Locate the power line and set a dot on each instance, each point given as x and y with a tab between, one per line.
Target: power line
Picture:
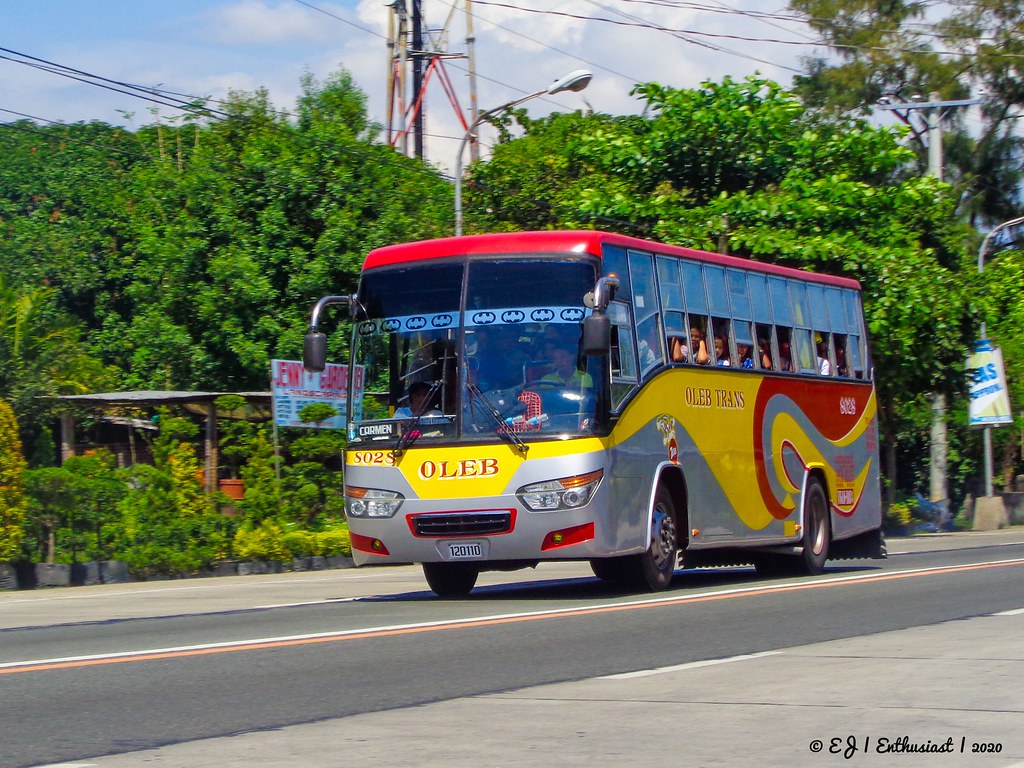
692	41
722	35
570	54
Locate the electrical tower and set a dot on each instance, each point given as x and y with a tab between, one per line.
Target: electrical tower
415	59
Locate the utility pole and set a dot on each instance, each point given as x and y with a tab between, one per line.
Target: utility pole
417	73
409	40
474	111
937	475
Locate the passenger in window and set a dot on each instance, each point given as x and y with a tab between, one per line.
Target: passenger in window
821	345
785	356
678	352
648	345
721	351
765	350
841	367
746	355
699	346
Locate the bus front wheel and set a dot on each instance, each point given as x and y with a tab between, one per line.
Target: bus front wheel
450	579
656	566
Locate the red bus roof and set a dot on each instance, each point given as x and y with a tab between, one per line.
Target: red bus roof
567	242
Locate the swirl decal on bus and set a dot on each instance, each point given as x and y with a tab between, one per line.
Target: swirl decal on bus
791	436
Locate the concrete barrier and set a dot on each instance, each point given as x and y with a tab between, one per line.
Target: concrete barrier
989	513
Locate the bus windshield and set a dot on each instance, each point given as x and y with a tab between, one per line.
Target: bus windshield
474	348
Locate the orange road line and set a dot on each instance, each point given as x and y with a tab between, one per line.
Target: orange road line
495	621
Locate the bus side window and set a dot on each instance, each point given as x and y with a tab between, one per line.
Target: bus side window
842	367
785	348
675	337
763	355
724	353
700	351
744	344
803	348
823	353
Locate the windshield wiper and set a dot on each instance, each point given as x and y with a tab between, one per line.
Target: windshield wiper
408	437
503	427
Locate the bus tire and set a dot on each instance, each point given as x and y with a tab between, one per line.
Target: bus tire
450	579
817	530
654	568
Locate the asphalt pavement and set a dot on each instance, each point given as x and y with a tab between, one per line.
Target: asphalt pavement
948	694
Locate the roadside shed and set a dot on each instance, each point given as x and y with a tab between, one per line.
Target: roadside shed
112	405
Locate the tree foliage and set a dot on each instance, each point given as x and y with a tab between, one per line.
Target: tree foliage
188	253
12	494
907	50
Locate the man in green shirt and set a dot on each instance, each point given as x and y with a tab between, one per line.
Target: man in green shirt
565	373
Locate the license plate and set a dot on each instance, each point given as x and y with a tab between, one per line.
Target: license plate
464	550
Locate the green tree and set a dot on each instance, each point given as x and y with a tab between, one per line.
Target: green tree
41	355
166	523
907	49
12	496
99	492
314	485
53	496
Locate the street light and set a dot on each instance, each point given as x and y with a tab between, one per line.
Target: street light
983	253
575	81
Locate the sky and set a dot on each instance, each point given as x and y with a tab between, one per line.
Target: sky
210	47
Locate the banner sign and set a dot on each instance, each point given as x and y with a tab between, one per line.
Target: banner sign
293	388
986	382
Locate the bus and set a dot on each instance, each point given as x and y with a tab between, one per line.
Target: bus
583	395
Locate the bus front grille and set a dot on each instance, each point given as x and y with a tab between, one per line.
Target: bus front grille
462	524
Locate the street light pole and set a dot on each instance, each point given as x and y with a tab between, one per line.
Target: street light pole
575	81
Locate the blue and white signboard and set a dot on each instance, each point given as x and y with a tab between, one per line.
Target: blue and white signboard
986	382
293	388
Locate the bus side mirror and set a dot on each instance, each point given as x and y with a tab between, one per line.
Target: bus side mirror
314	351
597	334
314	345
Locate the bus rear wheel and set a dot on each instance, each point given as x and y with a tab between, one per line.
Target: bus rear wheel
817	529
450	579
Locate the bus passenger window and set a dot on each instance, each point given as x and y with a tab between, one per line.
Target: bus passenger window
823	358
699	353
744	344
675	338
724	354
764	346
842	368
785	349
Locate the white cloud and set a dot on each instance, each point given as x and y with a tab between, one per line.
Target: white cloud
252	22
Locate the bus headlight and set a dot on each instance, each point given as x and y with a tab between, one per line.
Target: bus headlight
371	502
564	493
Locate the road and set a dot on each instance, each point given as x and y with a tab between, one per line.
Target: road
545	667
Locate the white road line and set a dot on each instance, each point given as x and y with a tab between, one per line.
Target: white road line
679	599
321	601
1014	612
190	588
690	665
